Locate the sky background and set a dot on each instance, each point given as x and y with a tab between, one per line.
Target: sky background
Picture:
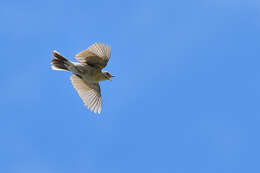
186	97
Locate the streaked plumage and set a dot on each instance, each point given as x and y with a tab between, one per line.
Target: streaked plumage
87	73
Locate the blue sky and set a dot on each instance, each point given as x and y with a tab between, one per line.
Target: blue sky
185	99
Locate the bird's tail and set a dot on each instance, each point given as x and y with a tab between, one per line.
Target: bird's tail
59	62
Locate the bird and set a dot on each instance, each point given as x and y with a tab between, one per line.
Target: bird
87	73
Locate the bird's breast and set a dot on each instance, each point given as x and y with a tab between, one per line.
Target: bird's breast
92	74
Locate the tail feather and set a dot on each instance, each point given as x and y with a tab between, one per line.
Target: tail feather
59	62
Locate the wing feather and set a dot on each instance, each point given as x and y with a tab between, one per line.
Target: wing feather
97	55
90	93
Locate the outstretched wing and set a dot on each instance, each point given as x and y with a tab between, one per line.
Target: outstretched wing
90	93
97	55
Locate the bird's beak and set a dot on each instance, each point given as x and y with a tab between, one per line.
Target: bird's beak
111	77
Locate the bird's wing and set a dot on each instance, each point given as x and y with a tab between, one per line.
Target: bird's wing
90	93
97	55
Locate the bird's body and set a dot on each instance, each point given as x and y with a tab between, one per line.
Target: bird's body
87	73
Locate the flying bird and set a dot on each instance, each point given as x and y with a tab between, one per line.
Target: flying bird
87	73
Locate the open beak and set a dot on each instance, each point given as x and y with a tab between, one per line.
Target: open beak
111	77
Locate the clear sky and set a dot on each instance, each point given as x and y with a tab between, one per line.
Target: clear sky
185	100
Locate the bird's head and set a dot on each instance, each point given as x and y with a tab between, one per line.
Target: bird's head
107	75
